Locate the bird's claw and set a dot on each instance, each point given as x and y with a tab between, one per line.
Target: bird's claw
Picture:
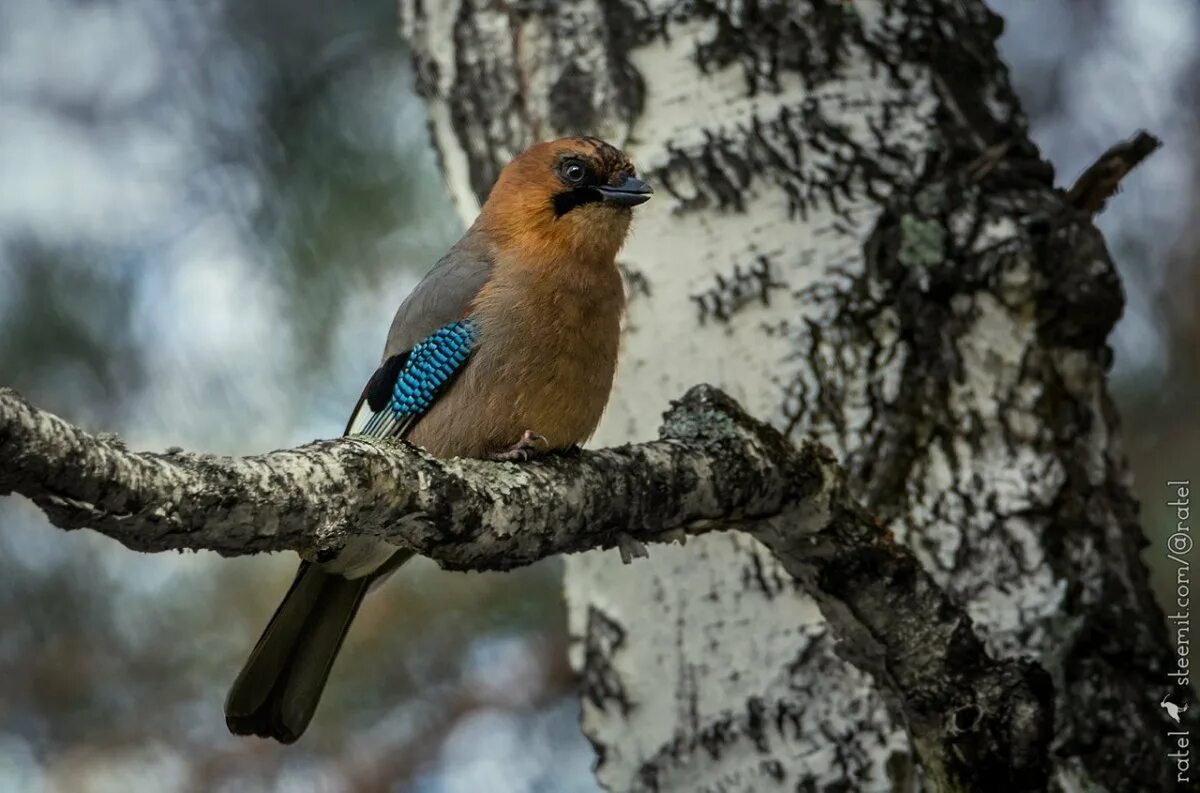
531	445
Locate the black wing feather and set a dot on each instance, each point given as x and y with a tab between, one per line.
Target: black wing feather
379	387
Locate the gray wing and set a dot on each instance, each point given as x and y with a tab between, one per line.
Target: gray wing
444	294
441	298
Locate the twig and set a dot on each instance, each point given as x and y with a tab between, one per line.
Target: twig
1102	179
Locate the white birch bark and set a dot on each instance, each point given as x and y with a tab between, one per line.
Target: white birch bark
854	237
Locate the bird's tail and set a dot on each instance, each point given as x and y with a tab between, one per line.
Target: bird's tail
277	690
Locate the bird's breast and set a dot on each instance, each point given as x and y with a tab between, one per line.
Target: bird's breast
545	360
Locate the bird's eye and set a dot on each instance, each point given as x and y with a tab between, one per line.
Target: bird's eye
574	172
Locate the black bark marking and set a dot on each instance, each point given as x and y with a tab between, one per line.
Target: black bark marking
627	25
769	38
742	287
601	685
572	110
636	282
1081	297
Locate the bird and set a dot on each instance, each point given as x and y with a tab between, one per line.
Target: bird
505	350
1173	710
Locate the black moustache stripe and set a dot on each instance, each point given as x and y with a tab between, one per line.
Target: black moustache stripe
566	201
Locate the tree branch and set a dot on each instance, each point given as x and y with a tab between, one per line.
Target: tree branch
1102	178
978	724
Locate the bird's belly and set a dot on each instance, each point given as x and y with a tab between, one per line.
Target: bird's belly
560	397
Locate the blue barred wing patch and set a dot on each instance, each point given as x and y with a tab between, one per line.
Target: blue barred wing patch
431	364
429	367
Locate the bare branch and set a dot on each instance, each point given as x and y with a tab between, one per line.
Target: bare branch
713	466
1102	178
979	724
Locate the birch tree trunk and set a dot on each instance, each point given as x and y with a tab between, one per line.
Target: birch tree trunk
855	238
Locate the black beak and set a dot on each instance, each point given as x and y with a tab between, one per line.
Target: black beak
629	193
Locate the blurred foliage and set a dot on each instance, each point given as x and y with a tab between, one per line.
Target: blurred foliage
75	331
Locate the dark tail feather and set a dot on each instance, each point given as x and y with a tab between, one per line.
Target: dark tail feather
278	689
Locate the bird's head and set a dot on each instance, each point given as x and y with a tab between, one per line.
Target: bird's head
571	197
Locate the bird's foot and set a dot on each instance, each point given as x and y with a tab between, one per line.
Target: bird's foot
531	445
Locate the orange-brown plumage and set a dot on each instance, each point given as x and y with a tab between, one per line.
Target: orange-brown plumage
546	359
534	287
550	313
519	212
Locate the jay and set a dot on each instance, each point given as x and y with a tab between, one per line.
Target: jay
505	350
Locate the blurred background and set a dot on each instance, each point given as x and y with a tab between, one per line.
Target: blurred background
208	213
